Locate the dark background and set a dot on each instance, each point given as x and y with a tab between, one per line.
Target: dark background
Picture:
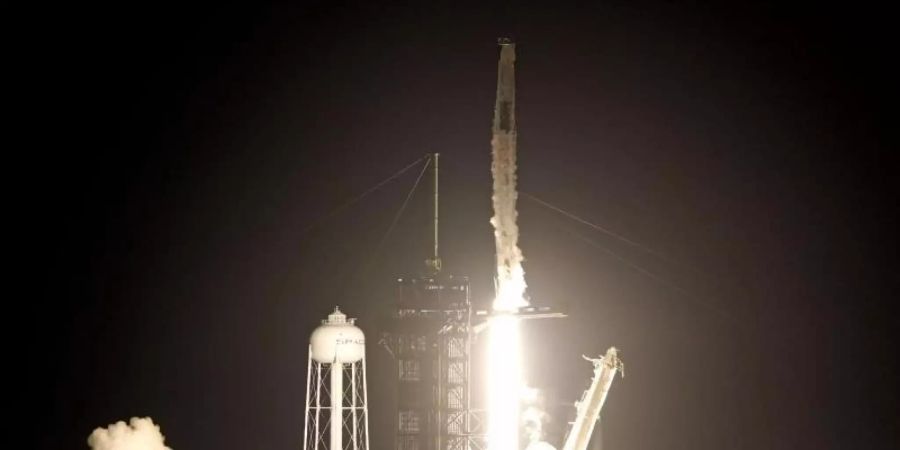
189	158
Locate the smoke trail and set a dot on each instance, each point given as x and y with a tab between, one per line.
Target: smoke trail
510	275
138	434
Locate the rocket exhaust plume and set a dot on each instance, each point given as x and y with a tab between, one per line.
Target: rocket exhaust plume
504	352
138	434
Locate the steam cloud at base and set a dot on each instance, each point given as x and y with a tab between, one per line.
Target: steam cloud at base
534	417
137	434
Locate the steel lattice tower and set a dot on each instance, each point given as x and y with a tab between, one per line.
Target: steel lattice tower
432	342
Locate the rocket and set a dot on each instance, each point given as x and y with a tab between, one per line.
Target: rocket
505	107
511	281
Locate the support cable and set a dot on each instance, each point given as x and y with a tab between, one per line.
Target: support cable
359	197
627	263
608	232
685	293
403	206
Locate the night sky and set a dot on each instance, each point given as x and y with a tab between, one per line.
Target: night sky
183	188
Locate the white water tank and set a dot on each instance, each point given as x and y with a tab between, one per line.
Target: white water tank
338	340
336	415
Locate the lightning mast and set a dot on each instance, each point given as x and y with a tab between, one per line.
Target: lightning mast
435	263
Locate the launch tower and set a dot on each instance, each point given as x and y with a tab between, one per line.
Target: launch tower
431	342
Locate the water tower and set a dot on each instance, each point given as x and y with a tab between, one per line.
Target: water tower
336	399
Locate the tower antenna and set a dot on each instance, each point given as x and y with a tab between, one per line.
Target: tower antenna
435	262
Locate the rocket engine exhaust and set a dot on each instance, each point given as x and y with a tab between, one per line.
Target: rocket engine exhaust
505	379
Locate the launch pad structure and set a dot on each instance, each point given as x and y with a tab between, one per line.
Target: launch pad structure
430	338
434	323
432	343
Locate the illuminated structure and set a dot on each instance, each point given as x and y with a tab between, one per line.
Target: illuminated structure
336	397
588	408
431	340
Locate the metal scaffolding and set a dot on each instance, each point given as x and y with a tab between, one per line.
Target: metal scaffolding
432	342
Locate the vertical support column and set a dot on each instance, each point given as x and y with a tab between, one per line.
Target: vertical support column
365	402
468	406
308	400
441	392
337	406
318	404
436	257
354	406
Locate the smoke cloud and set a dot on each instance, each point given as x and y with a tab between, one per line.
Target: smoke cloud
137	434
540	446
534	417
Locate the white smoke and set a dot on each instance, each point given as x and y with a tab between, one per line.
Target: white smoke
510	275
138	434
533	419
541	445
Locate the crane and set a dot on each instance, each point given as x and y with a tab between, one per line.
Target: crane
588	408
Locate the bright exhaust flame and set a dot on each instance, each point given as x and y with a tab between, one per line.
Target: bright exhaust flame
504	383
505	378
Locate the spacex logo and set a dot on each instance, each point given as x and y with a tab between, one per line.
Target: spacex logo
350	341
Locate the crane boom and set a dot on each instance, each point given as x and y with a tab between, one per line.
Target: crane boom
588	408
